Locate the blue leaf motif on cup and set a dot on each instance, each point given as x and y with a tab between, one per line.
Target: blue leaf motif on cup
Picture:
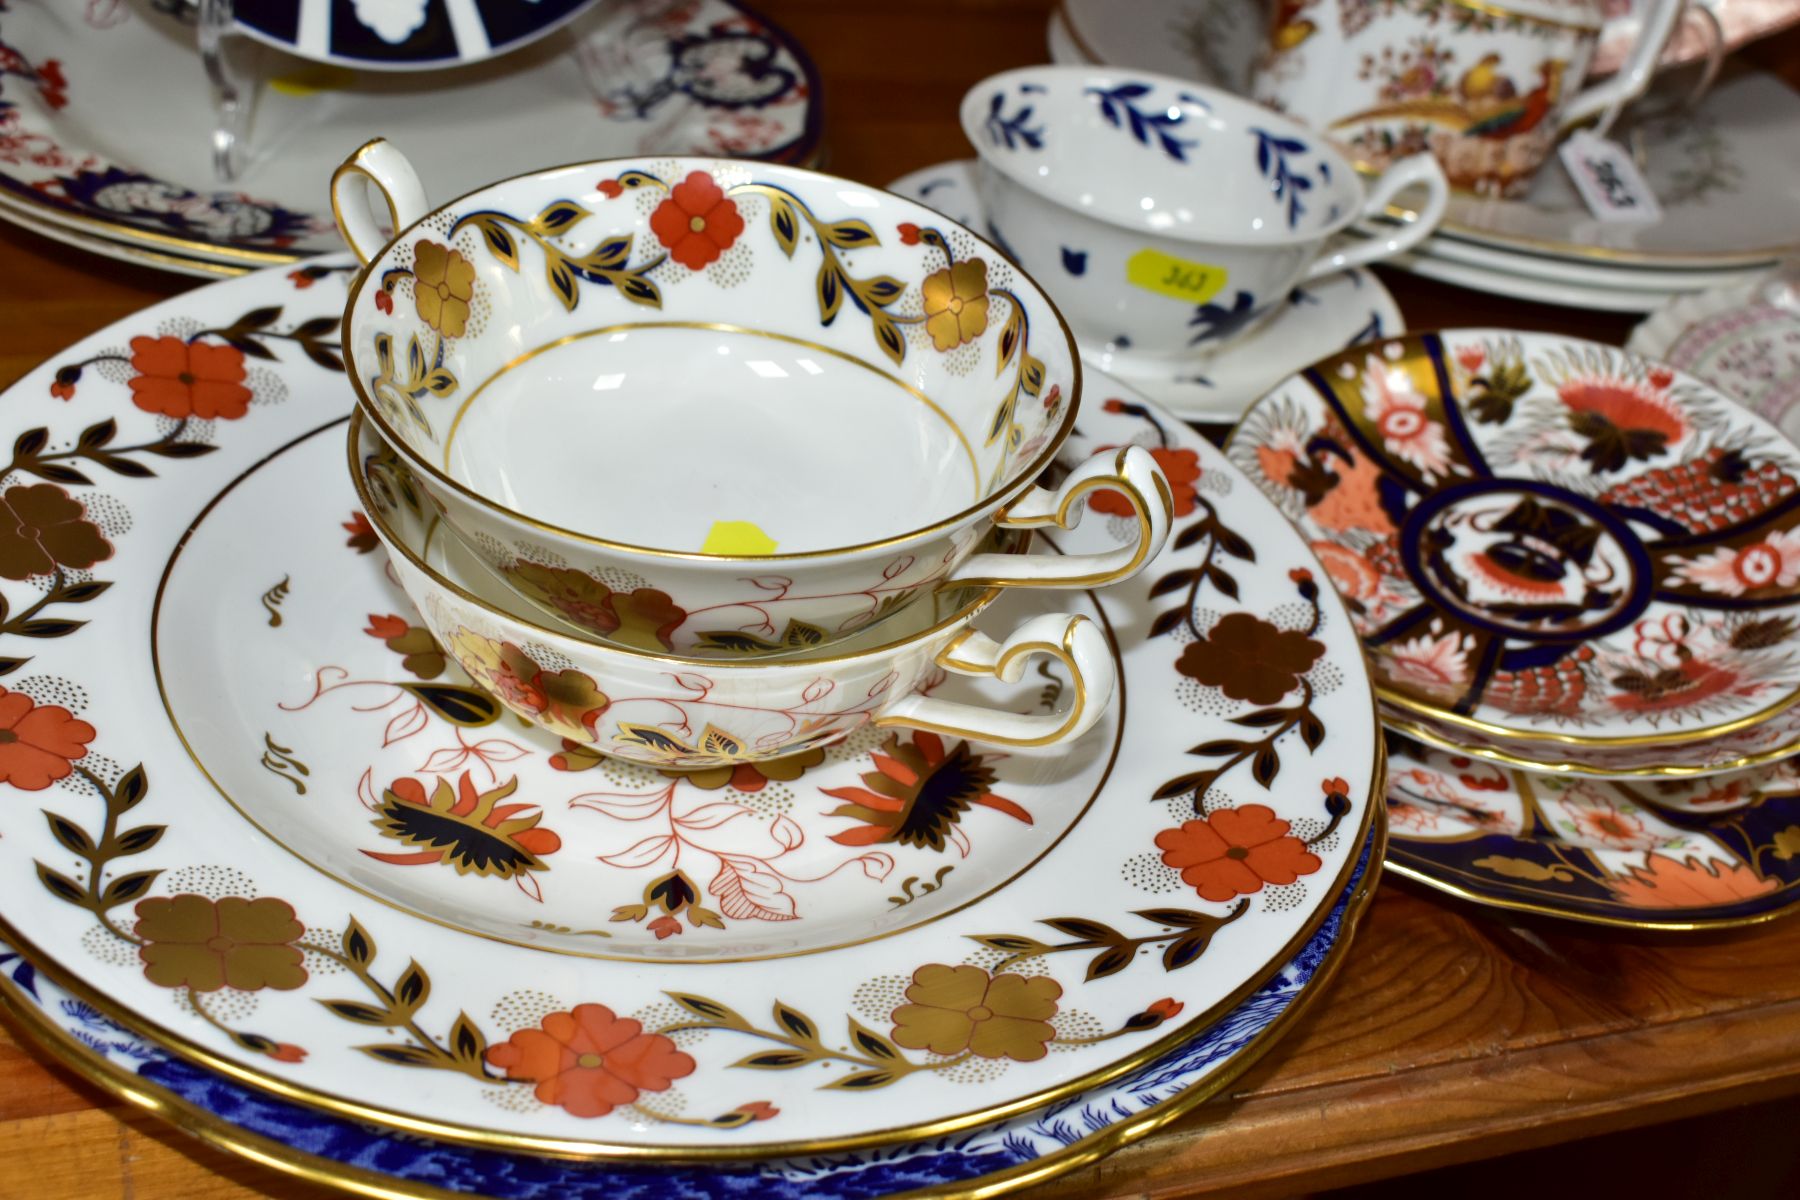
1012	131
1119	105
1287	186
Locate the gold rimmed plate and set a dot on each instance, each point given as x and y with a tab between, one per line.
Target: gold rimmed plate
1569	554
340	875
989	1161
1605	852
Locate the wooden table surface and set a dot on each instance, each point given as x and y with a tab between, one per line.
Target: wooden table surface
1451	1033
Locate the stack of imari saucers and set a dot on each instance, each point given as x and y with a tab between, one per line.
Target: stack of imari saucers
1575	574
284	872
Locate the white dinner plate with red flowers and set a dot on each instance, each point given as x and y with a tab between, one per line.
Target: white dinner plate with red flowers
261	820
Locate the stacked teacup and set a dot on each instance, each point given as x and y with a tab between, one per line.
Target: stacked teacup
700	462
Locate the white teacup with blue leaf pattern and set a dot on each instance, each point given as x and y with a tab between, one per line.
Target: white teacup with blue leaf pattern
1170	219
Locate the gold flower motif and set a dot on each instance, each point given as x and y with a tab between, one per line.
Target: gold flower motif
964	1008
443	285
194	942
956	303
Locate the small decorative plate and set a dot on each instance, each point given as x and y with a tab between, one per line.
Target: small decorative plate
1548	542
79	147
1322	317
398	35
998	1158
1592	851
1744	340
869	944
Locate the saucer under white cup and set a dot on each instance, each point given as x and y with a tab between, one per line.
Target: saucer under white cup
1317	319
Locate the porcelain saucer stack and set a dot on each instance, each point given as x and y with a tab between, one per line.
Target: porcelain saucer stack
1575	574
507	886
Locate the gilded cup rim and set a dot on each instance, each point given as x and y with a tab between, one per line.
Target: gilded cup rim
1017	481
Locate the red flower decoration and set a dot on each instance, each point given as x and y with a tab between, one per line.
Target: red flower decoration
590	1061
612	189
362	537
1182	467
664	926
300	279
287	1052
1300	575
1661	377
1471	358
1114	406
909	233
188	379
1235	851
384	300
1165	1008
39	743
758	1110
698	222
62	391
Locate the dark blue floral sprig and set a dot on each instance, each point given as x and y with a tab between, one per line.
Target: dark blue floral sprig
1119	106
1012	131
1272	153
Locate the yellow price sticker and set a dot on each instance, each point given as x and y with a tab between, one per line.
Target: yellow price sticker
1177	278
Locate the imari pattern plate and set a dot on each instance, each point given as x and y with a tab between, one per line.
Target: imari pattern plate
280	837
1551	543
1694	854
80	148
993	1159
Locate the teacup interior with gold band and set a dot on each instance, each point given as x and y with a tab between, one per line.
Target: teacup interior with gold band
600	426
710	356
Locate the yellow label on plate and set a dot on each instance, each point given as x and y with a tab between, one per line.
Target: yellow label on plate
1167	275
737	537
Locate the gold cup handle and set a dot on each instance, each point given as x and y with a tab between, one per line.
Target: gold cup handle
376	169
1132	473
1075	641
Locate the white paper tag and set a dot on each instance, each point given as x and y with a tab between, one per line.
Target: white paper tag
1610	183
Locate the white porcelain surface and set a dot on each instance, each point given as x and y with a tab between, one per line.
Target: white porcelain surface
475	1007
1530	287
1173	219
704	78
633	352
1319	318
1596	273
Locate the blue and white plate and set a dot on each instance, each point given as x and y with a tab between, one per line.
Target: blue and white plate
998	1157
